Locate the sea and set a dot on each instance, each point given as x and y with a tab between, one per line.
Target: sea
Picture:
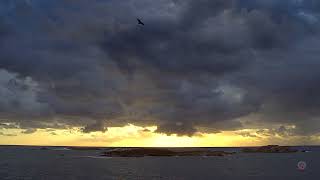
62	163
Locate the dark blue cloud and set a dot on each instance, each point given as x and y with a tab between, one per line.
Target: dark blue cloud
195	64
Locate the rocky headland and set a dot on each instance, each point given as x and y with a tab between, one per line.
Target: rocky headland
163	152
269	149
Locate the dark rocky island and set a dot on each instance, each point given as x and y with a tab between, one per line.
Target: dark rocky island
83	148
142	152
44	148
269	149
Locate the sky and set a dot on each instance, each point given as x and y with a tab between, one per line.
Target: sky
198	73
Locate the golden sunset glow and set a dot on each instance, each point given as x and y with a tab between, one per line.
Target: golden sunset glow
133	136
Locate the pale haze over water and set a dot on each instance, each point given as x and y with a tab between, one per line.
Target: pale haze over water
31	163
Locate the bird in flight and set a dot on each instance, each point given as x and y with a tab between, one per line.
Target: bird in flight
140	22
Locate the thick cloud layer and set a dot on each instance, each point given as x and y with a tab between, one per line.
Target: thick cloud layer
205	64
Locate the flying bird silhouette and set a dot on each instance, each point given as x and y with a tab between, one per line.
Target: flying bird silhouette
140	22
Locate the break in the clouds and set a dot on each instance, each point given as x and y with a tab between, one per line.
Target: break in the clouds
196	65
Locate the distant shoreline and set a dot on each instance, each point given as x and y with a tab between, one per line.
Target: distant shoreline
174	151
146	146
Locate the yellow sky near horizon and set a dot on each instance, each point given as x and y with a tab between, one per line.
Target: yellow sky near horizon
135	136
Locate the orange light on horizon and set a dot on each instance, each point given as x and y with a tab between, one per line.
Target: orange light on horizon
133	136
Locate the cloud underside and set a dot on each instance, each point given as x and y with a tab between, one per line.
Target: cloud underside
209	65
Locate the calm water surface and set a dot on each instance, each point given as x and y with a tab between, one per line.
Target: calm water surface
33	164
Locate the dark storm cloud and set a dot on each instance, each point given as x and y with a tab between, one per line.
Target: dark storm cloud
8	126
29	131
3	28
97	126
177	128
194	65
